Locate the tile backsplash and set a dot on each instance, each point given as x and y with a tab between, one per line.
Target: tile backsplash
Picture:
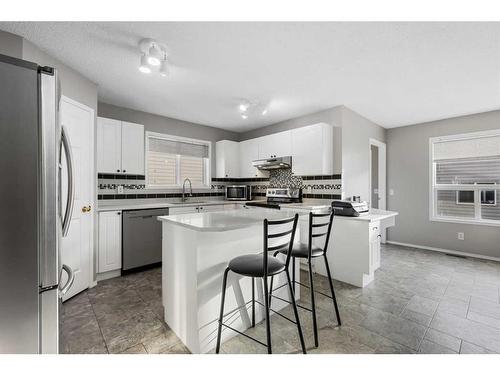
134	186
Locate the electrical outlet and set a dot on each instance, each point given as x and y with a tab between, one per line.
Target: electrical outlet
391	191
120	189
460	236
309	189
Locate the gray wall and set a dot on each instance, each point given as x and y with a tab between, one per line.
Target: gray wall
356	133
352	148
11	45
168	125
408	175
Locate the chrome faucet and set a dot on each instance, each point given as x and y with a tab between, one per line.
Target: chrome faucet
184	189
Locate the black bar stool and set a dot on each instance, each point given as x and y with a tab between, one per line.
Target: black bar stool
309	251
262	266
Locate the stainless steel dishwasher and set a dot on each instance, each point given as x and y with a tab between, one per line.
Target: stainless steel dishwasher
141	238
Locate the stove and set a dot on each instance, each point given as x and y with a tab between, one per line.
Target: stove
278	196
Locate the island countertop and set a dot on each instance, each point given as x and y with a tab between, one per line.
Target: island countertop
220	221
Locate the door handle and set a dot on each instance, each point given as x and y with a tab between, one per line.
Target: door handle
69	283
71	188
86	208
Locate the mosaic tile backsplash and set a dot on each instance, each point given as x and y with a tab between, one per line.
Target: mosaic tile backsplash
134	186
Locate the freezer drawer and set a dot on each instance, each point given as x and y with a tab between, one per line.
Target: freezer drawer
141	238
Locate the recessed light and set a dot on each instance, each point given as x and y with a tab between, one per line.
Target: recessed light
144	68
243	116
264	112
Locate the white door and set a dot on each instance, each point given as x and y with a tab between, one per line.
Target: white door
77	246
132	149
109	145
377	194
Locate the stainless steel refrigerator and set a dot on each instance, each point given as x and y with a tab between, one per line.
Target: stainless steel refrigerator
34	150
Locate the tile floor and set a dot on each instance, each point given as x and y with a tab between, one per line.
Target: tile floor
420	302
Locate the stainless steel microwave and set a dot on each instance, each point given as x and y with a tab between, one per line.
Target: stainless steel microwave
238	192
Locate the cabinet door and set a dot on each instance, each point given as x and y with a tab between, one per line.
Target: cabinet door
132	148
110	241
275	145
109	135
249	151
227	156
374	229
306	150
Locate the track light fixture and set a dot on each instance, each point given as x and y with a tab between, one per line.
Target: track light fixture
153	54
248	108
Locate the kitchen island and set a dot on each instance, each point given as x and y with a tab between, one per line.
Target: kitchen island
196	249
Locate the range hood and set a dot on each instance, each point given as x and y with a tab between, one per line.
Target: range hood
282	162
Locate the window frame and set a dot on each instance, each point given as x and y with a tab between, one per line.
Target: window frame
207	178
477	187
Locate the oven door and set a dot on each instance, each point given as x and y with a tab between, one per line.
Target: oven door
236	192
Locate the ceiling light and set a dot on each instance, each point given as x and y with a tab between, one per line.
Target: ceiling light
164	68
144	68
264	112
243	116
154	57
243	107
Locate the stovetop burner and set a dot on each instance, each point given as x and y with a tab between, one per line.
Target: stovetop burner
278	196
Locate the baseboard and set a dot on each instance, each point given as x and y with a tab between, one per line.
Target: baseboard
454	252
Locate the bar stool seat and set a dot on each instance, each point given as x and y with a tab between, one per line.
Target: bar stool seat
252	265
301	250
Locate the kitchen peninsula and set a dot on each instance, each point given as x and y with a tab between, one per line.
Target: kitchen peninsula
196	249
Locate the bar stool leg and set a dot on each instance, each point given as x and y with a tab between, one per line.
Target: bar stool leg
293	274
333	292
297	319
221	316
268	322
313	304
253	301
271	291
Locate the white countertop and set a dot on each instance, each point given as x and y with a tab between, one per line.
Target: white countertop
139	204
220	221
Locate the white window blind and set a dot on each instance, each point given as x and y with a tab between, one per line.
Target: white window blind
465	178
171	160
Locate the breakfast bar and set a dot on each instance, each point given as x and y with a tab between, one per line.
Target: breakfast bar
196	249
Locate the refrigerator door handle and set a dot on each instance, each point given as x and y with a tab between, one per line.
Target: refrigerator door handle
71	187
71	278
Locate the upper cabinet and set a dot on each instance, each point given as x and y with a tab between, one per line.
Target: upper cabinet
312	150
275	145
249	151
132	148
120	147
227	155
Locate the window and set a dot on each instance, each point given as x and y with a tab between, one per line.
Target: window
465	178
170	160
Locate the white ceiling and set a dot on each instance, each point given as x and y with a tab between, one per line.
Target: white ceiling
392	73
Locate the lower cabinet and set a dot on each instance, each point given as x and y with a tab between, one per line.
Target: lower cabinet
374	245
110	241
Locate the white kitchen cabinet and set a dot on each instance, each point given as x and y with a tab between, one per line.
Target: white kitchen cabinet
109	145
120	147
227	157
249	151
312	150
211	208
275	145
110	241
374	240
132	147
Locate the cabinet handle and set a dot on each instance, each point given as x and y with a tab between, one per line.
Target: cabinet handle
118	213
118	170
374	228
124	171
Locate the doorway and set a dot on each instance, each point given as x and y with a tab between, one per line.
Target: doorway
377	169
